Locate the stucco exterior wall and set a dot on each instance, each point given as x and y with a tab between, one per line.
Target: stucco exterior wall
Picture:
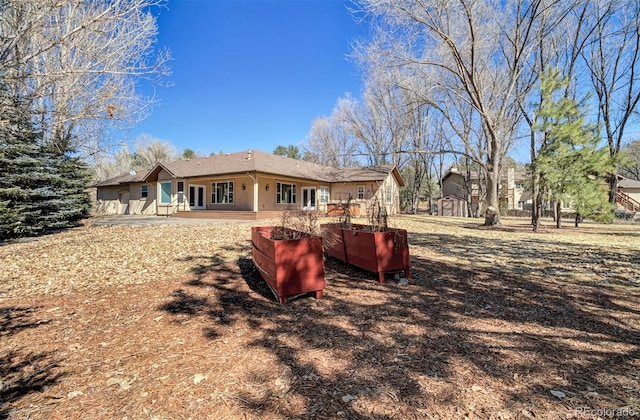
251	192
108	200
125	199
139	204
340	193
267	198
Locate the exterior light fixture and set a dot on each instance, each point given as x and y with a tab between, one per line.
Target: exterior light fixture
267	187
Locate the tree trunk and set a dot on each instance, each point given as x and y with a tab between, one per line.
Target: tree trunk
536	196
613	188
558	215
492	212
536	199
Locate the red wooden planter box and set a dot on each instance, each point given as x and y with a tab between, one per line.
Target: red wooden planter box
380	252
333	241
289	266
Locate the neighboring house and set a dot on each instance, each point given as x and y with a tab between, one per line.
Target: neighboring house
518	197
250	184
628	197
455	195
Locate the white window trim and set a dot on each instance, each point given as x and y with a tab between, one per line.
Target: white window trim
162	202
230	192
361	192
324	195
294	193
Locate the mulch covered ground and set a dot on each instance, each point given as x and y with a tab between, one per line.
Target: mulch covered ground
491	326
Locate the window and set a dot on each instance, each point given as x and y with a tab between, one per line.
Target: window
222	192
180	192
165	192
285	193
361	192
389	194
144	191
324	195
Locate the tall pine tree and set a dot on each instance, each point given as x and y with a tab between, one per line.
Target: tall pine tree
570	161
41	190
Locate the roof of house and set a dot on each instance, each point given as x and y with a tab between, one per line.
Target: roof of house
518	174
257	161
365	174
250	161
126	178
627	182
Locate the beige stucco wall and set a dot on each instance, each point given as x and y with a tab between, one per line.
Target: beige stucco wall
109	198
267	198
139	204
242	198
125	199
340	193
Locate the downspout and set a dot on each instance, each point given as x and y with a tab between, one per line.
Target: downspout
255	191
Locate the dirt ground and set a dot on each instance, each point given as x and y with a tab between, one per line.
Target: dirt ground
174	322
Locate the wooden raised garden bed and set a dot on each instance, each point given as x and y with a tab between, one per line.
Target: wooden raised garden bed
380	252
289	266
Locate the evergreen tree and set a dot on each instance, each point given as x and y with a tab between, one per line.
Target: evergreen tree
69	178
41	189
18	159
290	151
189	154
571	162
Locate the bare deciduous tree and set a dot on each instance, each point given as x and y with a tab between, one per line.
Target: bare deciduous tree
148	151
475	51
631	163
378	120
330	141
78	62
613	60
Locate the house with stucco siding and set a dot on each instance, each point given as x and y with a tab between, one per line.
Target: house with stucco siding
247	185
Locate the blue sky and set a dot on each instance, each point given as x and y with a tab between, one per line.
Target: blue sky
251	74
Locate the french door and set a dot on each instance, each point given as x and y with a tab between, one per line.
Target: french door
308	198
196	197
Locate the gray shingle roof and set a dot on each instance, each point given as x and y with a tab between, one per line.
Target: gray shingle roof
627	182
259	161
246	162
126	178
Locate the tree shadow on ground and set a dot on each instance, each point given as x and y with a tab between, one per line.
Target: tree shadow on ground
22	371
536	257
460	340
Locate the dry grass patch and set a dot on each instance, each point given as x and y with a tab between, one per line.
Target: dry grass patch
174	322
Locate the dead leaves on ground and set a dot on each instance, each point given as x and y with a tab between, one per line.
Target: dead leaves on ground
167	322
93	257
